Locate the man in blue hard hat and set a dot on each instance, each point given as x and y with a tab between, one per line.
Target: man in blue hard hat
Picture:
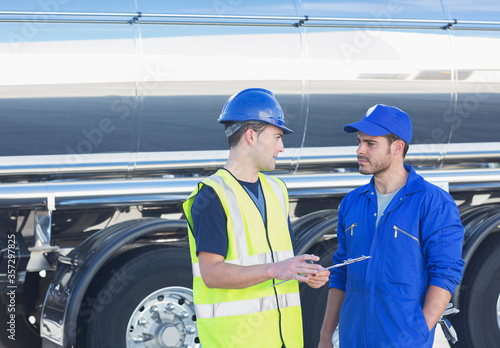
412	230
241	239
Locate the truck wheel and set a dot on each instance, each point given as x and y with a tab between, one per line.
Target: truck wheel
478	323
146	301
313	301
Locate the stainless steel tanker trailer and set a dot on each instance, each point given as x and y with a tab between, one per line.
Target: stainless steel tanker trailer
108	120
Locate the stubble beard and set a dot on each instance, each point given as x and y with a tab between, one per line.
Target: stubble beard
377	168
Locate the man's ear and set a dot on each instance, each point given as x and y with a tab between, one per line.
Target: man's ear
399	146
250	136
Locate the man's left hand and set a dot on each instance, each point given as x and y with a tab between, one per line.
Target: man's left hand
319	279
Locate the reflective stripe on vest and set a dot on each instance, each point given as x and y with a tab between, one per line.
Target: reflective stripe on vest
281	198
243	307
234	208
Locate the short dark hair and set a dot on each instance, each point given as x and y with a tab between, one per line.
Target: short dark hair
392	138
234	139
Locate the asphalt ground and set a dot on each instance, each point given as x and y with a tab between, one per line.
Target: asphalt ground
439	340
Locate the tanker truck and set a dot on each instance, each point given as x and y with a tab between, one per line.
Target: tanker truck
109	110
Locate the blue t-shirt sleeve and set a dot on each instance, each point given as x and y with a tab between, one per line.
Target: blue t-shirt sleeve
209	223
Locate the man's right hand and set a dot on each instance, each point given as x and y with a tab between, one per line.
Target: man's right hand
295	268
331	320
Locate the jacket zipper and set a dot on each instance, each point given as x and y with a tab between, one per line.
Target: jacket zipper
352	227
397	229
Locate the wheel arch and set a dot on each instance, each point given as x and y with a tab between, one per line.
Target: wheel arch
311	229
482	243
480	224
316	234
71	281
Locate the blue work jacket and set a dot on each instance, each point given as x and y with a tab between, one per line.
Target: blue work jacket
418	242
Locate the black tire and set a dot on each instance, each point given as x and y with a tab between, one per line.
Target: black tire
478	322
313	301
163	277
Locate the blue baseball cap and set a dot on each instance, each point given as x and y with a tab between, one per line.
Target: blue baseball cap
381	120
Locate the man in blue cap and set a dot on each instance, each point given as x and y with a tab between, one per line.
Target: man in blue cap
412	230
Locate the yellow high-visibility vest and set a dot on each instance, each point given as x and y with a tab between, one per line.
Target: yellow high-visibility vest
260	315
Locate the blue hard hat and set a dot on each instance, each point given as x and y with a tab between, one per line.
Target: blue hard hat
381	120
254	104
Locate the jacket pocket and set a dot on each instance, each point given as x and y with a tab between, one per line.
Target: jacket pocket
350	229
402	233
404	263
357	243
421	323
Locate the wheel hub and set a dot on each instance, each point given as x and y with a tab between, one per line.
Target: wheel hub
164	319
170	336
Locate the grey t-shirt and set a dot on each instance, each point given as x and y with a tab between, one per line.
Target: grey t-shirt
383	201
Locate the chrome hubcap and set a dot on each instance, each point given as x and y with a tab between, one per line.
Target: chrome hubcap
164	319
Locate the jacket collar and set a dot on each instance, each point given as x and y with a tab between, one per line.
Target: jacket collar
414	183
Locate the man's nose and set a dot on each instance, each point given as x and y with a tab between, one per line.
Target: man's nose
281	146
360	149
